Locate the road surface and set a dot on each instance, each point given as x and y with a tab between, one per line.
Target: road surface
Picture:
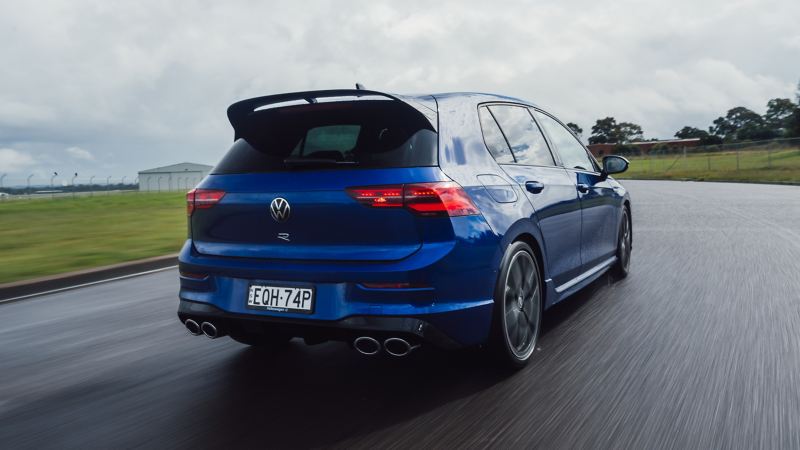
698	348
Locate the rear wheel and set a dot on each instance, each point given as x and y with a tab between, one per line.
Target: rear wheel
624	241
518	306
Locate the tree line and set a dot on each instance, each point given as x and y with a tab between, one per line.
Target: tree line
781	120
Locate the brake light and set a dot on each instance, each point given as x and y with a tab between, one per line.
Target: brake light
438	199
424	199
378	196
202	199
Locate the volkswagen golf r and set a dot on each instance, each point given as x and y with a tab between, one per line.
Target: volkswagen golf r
391	222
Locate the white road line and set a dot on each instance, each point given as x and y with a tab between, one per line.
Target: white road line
53	291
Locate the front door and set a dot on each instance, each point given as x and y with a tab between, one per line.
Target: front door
599	202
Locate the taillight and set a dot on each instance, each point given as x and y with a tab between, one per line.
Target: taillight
202	199
424	199
434	199
378	196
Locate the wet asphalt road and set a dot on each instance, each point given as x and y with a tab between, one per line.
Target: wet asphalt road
698	348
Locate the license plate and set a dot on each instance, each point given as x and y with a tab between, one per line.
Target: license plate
281	298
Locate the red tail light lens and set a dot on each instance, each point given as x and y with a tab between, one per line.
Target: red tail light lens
424	199
438	199
202	199
378	196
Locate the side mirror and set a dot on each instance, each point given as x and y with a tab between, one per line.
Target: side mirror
614	164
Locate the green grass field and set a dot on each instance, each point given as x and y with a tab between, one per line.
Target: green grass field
49	236
772	167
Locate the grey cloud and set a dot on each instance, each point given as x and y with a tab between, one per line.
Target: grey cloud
144	84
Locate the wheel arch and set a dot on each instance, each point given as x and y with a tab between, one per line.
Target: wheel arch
533	243
627	205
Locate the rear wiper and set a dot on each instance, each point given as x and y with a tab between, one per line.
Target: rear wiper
316	162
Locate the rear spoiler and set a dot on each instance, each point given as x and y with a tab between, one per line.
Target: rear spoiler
239	111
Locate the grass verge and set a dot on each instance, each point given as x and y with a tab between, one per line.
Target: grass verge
51	236
752	166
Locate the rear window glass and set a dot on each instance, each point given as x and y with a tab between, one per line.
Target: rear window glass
335	138
359	134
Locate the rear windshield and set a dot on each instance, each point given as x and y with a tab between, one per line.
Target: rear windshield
352	135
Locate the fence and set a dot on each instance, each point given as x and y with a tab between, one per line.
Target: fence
57	186
776	160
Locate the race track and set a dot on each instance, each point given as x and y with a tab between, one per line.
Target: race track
698	348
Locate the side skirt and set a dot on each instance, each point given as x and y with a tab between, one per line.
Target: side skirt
574	285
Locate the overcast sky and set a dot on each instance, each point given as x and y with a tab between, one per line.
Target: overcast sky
110	88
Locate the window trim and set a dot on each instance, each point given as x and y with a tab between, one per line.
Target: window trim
596	171
556	159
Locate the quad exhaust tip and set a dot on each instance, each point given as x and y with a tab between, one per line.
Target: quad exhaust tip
398	347
192	327
209	330
394	346
367	345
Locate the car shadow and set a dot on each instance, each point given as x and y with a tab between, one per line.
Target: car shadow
312	396
562	311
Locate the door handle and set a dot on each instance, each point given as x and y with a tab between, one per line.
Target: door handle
534	187
583	188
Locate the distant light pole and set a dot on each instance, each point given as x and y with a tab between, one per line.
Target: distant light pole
73	183
91	185
1	179
28	182
52	186
108	183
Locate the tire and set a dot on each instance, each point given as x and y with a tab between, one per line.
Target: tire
518	307
624	240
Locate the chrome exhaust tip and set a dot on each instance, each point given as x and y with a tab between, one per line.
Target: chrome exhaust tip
398	347
192	327
367	345
209	330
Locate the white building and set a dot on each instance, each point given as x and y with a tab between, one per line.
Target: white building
177	177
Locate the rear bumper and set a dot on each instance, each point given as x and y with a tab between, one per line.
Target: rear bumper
453	294
413	329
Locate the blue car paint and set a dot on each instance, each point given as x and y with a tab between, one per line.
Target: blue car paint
457	258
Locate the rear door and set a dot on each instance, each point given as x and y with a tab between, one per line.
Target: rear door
600	204
286	178
518	145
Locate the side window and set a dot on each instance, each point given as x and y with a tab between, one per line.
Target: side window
572	153
523	135
494	139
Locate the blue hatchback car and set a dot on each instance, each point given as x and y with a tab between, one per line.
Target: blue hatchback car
391	222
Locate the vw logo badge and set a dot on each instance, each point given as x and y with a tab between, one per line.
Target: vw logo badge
280	209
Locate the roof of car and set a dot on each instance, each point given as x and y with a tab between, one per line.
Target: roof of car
481	97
